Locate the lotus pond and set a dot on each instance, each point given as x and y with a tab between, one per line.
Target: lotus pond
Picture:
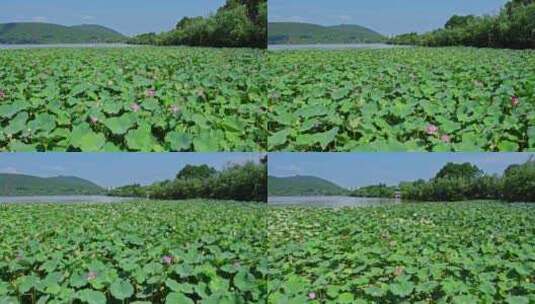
480	252
142	252
402	99
133	99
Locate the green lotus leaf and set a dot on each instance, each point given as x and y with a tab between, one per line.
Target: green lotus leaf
141	139
375	291
4	288
508	146
91	296
327	137
346	298
17	146
279	138
206	142
9	110
120	125
402	288
179	141
178	298
17	124
8	300
43	122
84	138
121	289
244	281
517	300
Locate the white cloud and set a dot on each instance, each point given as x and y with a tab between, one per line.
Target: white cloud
10	170
293	19
88	18
287	170
55	168
344	18
39	19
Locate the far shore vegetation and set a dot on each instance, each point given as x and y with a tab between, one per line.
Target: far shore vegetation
459	182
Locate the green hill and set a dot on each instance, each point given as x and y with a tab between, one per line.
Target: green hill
306	33
18	184
302	185
47	33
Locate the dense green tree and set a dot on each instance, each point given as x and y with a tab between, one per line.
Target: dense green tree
191	172
519	182
513	27
239	23
242	182
513	5
380	190
457	182
453	170
459	21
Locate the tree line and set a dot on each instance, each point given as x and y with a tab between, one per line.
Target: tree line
458	182
379	191
240	182
513	27
239	23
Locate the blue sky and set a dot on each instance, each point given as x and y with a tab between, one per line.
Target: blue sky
115	169
126	16
362	169
386	16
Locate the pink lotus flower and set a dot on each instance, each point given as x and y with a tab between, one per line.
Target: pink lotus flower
312	295
398	271
431	129
91	275
515	101
93	119
445	138
175	109
2	94
167	259
135	107
151	92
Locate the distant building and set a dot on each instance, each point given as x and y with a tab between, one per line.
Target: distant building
397	195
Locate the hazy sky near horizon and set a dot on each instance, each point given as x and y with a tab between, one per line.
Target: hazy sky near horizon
115	169
126	16
385	16
361	169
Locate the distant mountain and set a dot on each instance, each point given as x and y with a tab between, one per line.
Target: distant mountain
307	33
26	185
47	33
302	185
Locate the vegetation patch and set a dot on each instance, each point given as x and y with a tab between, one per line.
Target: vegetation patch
142	252
513	27
47	33
132	99
306	33
303	186
23	185
238	23
239	182
461	182
480	252
404	99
